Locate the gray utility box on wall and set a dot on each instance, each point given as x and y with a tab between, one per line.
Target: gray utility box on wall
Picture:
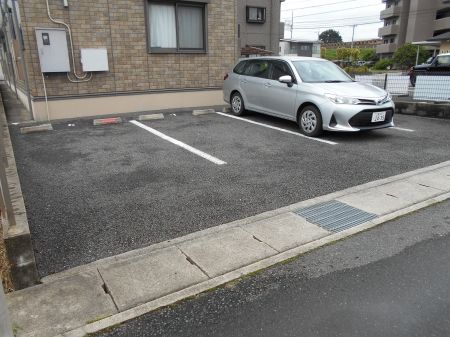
53	50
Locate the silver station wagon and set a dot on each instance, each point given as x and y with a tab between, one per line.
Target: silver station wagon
313	92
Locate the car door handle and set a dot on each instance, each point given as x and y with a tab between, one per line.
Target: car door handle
267	85
243	81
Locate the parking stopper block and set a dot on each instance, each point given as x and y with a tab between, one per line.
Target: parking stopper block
203	112
151	117
107	121
36	128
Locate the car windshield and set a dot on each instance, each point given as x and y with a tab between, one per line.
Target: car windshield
315	71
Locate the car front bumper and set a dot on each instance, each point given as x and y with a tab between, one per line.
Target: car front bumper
343	117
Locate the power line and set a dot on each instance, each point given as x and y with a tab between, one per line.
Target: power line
329	4
408	13
331	25
341	19
335	11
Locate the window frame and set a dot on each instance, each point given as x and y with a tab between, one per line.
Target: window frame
250	61
271	63
203	4
256	21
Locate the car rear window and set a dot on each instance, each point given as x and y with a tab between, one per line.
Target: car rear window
257	68
239	69
443	60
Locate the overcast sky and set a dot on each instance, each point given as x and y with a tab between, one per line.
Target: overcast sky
313	17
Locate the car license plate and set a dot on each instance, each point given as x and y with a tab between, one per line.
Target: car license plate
379	116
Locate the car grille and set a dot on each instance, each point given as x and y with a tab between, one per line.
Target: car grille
364	118
367	102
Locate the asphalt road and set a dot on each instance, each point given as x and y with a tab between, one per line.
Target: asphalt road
93	192
390	281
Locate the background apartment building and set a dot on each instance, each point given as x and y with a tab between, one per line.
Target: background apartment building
259	24
412	21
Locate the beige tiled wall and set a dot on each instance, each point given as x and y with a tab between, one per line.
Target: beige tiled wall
119	25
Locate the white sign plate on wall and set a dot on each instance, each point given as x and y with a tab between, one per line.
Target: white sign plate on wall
432	88
94	59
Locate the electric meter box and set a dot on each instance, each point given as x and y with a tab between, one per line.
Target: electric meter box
53	50
94	59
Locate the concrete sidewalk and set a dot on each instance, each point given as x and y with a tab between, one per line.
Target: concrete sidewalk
107	292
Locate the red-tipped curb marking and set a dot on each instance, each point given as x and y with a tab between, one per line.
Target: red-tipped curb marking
107	121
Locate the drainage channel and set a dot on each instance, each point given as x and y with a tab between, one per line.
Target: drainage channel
335	216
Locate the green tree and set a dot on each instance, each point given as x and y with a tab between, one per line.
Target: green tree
383	64
406	56
369	54
330	36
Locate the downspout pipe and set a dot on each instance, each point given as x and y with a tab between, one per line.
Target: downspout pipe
59	22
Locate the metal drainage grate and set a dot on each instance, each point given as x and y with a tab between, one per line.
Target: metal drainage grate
335	216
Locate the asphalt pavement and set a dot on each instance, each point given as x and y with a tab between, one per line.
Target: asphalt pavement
93	192
389	281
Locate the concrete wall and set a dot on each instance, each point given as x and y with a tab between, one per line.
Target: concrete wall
92	106
256	34
120	27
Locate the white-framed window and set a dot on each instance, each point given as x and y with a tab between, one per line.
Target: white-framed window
256	14
176	27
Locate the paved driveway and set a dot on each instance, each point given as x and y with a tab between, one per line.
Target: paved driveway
93	192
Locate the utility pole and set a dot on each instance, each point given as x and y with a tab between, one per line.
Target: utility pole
292	24
353	35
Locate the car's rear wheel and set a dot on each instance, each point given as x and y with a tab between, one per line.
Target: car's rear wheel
310	121
237	104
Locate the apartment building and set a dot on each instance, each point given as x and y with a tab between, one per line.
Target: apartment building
259	24
74	58
411	21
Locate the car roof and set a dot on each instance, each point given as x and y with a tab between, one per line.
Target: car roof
445	54
285	58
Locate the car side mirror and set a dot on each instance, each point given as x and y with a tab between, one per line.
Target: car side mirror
286	79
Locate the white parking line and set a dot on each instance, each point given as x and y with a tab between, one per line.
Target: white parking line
402	129
180	144
278	129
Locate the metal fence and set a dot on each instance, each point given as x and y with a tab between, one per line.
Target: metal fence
429	87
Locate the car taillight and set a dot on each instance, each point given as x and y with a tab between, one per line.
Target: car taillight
225	77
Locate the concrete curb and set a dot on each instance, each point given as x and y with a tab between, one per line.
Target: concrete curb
423	109
258	217
239	273
17	238
36	128
151	117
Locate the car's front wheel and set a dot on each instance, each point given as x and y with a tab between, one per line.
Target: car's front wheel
310	121
237	104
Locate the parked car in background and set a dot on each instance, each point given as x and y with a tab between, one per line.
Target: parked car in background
313	92
438	66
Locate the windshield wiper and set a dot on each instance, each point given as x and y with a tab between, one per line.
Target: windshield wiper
334	81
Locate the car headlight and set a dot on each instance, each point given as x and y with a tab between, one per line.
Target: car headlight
388	98
342	99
